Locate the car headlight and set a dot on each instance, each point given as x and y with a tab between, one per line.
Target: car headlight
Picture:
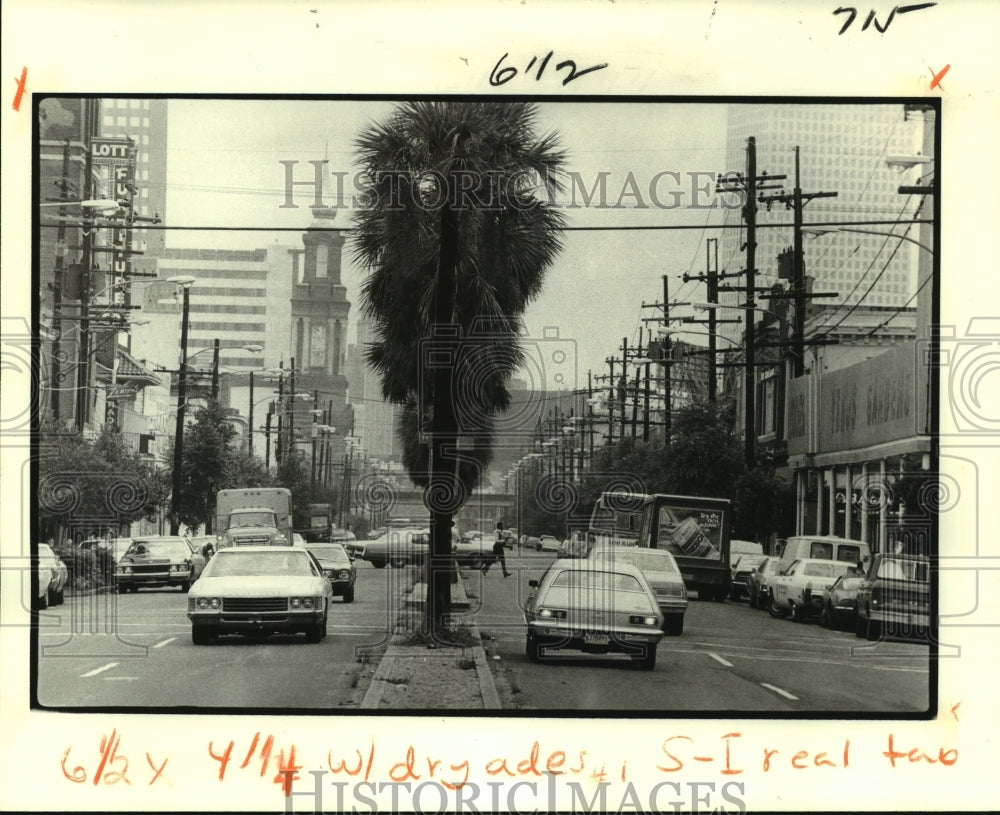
207	603
344	574
306	602
552	613
642	619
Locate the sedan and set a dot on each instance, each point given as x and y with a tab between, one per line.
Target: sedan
664	577
594	606
337	566
840	602
758	579
548	543
798	590
158	561
257	590
56	585
395	547
743	567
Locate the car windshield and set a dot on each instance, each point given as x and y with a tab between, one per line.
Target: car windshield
241	519
903	569
830	569
647	560
851	583
234	563
171	549
330	554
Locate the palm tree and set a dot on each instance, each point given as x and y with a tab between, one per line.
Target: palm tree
457	237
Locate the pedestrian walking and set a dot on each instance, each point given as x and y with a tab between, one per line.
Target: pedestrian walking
498	551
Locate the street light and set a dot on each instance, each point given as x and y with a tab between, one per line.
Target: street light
818	231
185	282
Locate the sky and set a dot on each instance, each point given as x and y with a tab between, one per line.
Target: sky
224	169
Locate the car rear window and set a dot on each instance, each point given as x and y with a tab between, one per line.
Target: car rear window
900	569
824	569
260	564
597	580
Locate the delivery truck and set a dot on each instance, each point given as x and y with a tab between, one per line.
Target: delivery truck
256	516
694	529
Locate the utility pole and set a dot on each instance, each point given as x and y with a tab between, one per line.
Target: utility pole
215	370
667	350
623	385
86	263
645	395
796	202
749	185
59	274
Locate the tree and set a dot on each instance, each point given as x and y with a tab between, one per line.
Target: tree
91	485
205	463
456	243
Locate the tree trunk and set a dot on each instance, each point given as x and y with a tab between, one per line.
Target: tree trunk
444	465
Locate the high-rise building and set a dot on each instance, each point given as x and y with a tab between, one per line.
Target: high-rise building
144	121
375	418
842	148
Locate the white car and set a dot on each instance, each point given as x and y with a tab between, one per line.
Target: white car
663	575
56	585
257	590
798	589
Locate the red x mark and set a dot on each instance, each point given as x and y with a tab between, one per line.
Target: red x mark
20	88
936	81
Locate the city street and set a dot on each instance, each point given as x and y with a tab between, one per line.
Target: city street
145	658
730	658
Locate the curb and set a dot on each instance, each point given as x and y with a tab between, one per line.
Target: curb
490	698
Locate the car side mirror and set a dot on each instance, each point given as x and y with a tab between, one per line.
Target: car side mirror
533	584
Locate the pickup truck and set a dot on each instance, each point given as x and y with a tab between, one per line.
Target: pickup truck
895	598
798	589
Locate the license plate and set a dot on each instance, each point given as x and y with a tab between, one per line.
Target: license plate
596	639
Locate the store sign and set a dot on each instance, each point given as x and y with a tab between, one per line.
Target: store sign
870	403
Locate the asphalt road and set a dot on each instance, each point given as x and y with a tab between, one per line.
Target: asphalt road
135	650
730	659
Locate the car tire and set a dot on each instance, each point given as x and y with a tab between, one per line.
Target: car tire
42	602
647	661
859	627
538	547
774	609
122	588
60	597
200	635
378	564
397	563
873	630
825	619
315	633
797	614
674	625
133	589
531	648
349	594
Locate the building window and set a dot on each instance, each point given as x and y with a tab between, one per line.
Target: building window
121	121
322	260
317	346
145	121
135	104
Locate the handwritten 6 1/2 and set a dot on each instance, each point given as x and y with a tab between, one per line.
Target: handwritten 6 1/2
500	76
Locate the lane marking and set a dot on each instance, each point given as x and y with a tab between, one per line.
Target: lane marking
779	691
720	660
100	670
161	644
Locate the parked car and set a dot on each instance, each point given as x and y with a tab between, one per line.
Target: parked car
798	589
396	547
531	542
40	601
258	590
663	575
548	543
895	598
742	567
758	579
840	607
158	561
59	575
594	606
337	566
472	552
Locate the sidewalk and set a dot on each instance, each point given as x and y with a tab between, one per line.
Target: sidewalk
419	676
